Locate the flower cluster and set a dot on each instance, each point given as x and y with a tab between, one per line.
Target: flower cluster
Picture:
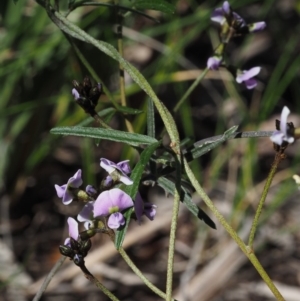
108	205
233	25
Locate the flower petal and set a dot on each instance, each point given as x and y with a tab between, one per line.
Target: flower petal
258	26
247	74
226	7
102	204
73	228
218	16
138	207
75	94
60	190
277	137
250	83
108	165
150	210
116	220
67	198
76	180
121	199
283	120
124	166
86	214
126	180
214	62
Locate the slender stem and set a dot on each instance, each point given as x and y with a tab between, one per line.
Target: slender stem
190	90
140	274
121	68
91	277
278	157
49	278
170	266
246	250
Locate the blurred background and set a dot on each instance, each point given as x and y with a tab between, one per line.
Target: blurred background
37	66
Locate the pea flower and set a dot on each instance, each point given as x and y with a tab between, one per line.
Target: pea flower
117	171
246	77
66	191
86	214
141	208
285	132
112	202
73	231
225	14
214	62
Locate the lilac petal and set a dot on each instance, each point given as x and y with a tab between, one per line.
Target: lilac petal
108	181
138	207
76	180
283	120
116	220
67	242
214	62
102	204
86	214
277	137
90	190
258	26
226	7
75	94
238	19
126	180
247	74
108	165
124	166
73	228
67	198
150	210
218	16
60	190
251	83
120	198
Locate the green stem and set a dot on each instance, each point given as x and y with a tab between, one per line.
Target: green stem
91	277
140	274
278	157
172	240
246	250
190	90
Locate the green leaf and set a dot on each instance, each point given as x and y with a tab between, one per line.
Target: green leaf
133	189
128	110
208	145
108	134
159	5
169	187
150	118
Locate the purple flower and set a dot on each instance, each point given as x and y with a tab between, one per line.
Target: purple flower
141	208
90	190
246	77
112	202
258	26
224	13
75	94
73	231
283	135
125	167
86	214
122	169
65	191
214	62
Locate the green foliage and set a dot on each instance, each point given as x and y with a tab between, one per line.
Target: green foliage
159	5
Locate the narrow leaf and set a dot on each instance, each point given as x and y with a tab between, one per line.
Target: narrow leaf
159	5
150	118
108	134
133	189
169	187
208	145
